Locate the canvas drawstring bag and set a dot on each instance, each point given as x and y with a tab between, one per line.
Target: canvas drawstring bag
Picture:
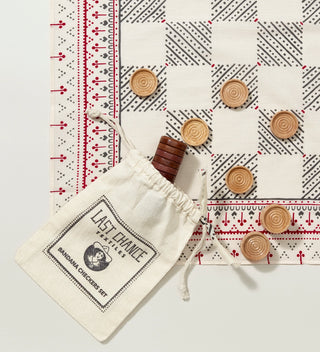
106	249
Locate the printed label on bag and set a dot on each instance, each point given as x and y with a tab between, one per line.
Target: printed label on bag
101	254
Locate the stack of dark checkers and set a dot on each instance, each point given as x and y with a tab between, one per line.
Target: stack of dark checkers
168	157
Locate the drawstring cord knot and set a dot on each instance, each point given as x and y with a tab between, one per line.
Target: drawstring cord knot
94	114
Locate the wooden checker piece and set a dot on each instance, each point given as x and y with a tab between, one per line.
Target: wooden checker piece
234	93
284	124
143	82
173	143
166	162
275	218
171	150
239	179
195	132
169	156
255	246
164	168
169	177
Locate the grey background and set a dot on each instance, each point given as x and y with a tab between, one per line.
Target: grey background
257	309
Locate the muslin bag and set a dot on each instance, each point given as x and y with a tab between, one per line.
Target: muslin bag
105	250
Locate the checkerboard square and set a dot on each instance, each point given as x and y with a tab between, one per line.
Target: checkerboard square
188	87
188	43
280	88
279	43
132	102
234	10
246	73
234	42
311	11
312	132
188	10
280	10
220	165
270	144
311	88
137	123
137	11
188	177
143	44
311	177
235	131
280	176
175	120
311	45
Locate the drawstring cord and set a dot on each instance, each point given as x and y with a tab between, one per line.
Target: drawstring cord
203	209
113	123
229	259
226	256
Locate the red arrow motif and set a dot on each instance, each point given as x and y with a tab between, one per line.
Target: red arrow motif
293	220
309	221
269	255
62	90
96	31
300	255
96	15
234	253
96	64
60	56
199	255
242	221
97	130
226	221
96	163
62	158
96	81
258	221
96	97
96	47
62	125
60	191
60	24
96	147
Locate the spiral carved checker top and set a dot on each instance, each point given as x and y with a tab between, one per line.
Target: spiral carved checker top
195	132
284	124
143	82
239	179
255	246
275	218
234	93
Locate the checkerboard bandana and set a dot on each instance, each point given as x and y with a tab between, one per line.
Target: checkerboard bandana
194	47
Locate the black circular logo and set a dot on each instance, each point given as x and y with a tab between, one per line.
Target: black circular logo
96	257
